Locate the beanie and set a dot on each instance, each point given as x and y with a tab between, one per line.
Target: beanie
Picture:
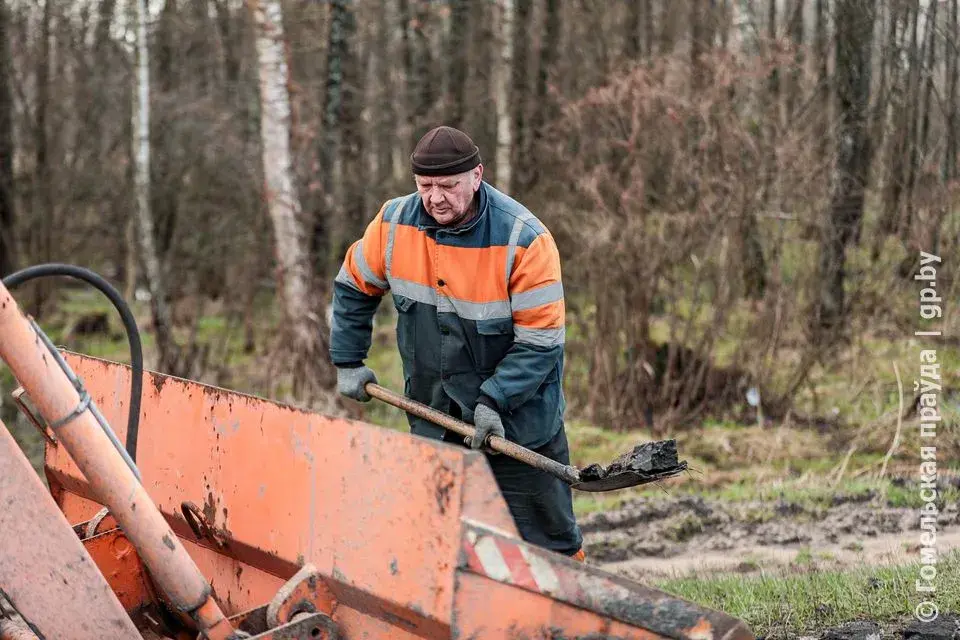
444	151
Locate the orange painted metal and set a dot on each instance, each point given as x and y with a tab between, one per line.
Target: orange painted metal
504	559
108	476
385	518
119	563
44	570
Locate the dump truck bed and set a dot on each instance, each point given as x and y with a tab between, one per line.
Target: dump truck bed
280	523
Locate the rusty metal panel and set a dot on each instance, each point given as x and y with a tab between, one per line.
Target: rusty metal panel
376	511
485	608
597	594
121	566
482	501
238	586
386	519
76	507
44	569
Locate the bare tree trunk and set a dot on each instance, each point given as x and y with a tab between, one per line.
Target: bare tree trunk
166	346
725	24
456	54
164	171
325	235
504	65
354	144
42	199
343	139
633	44
668	27
931	48
952	70
8	237
898	147
648	26
374	119
419	66
697	46
400	70
821	45
774	81
916	63
854	46
306	327
520	93
886	65
543	107
795	29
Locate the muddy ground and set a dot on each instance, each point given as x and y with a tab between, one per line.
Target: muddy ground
653	538
690	534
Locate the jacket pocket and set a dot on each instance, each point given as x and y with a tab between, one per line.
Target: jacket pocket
495	338
406	329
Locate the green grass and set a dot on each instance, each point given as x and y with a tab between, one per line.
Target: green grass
791	602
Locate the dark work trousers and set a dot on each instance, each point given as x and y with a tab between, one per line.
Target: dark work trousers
541	505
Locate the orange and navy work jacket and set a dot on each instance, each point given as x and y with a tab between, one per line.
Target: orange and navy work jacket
480	311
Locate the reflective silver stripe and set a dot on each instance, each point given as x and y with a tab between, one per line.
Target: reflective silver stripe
480	310
344	277
393	215
414	291
536	297
445	304
539	337
512	247
365	270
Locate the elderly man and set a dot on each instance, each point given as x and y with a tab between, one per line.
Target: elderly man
475	278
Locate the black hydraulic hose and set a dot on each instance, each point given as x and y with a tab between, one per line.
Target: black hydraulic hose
129	325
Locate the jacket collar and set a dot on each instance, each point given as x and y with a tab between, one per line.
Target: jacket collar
425	222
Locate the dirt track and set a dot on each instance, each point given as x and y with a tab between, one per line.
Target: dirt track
683	534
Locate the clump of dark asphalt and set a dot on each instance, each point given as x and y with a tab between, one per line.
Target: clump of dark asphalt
654	459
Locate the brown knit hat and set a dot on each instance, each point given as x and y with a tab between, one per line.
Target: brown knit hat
444	151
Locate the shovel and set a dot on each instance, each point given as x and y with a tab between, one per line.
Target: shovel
647	462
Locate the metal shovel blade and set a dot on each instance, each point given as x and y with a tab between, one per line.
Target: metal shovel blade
625	479
646	463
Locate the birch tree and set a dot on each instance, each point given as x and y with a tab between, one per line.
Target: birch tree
305	348
159	308
502	77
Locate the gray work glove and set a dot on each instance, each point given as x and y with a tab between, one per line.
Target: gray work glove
352	380
488	423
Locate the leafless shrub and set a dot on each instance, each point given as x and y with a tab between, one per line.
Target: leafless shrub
673	231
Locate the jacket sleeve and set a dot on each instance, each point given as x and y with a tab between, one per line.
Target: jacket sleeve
536	300
357	290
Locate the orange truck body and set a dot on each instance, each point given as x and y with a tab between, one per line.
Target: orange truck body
297	524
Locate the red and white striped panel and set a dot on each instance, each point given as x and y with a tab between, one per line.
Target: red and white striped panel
515	562
511	561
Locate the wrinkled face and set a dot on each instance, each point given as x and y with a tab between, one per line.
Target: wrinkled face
448	198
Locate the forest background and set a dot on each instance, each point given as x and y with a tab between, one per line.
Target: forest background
741	191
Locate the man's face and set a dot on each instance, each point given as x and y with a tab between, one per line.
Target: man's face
447	198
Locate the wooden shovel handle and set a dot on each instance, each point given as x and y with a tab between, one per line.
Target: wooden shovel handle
567	473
